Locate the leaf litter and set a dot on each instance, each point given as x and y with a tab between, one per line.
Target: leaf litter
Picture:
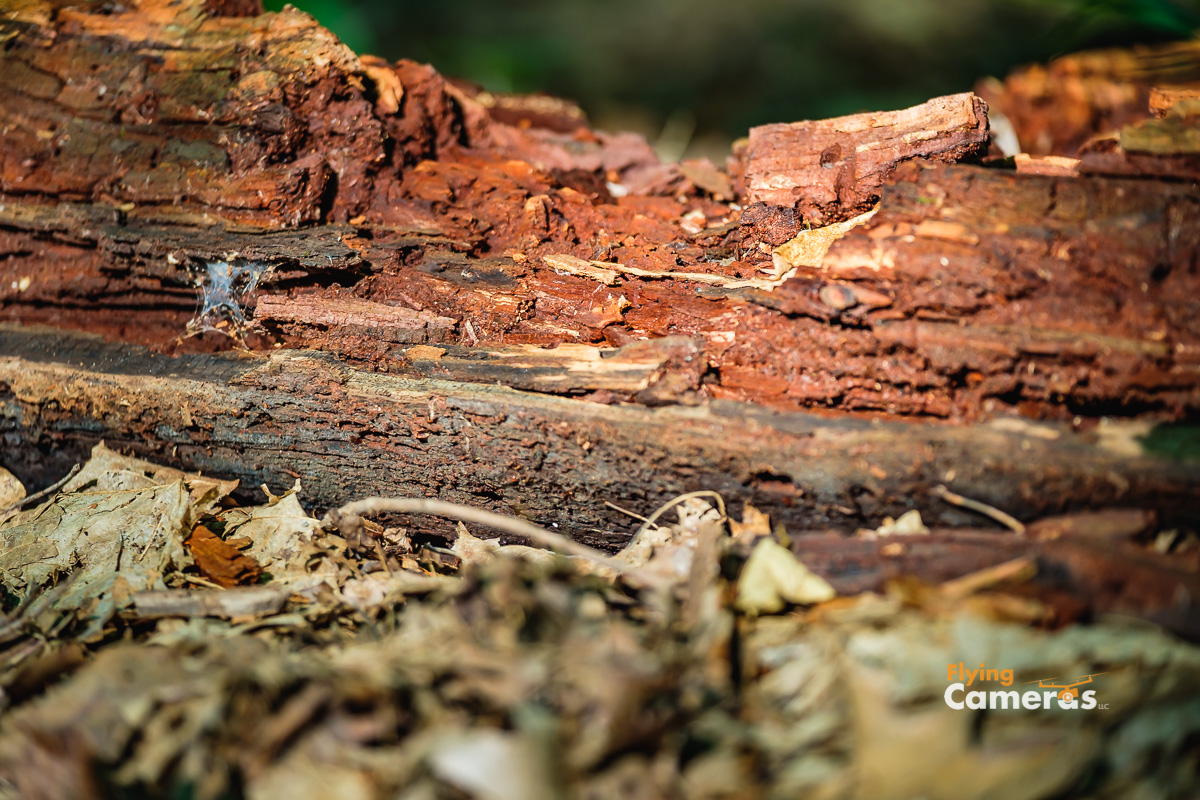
162	641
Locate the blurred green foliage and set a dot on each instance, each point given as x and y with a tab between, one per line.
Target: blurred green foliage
1181	441
1131	19
721	66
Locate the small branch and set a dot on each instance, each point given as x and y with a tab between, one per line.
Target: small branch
1017	569
54	487
982	508
667	506
625	511
347	517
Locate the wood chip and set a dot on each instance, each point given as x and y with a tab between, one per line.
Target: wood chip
833	169
349	314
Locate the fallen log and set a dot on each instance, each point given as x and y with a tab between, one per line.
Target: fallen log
1054	109
421	290
346	433
251	176
519	312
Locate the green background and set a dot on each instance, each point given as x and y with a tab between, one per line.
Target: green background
707	70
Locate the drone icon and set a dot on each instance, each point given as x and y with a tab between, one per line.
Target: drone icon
1068	693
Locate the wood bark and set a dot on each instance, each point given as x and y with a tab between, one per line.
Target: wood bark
174	172
344	431
1056	108
143	147
835	168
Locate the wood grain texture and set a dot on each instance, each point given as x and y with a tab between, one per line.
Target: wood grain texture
347	433
833	169
447	215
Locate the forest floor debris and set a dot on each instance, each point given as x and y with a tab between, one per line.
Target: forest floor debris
312	659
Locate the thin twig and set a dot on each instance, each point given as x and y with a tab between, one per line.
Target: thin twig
54	487
983	508
478	516
1022	568
667	506
201	581
382	558
624	511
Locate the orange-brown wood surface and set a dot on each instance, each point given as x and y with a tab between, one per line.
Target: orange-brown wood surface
194	177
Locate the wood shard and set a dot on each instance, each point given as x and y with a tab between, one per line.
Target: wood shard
390	323
808	249
1171	135
832	169
242	601
607	273
595	270
568	368
1046	165
1177	100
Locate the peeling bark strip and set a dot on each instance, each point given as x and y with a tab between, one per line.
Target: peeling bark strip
655	371
357	317
348	433
1093	304
833	169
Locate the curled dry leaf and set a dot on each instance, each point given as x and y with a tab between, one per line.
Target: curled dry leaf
287	542
219	561
774	577
12	491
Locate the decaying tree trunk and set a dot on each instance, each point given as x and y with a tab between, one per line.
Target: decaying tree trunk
435	240
308	415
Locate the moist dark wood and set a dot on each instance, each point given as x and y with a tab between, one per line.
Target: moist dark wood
347	433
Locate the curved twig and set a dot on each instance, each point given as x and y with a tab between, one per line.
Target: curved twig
440	508
667	506
1008	521
54	487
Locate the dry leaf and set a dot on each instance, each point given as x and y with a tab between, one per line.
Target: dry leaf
283	535
774	577
108	470
113	543
493	765
754	524
907	524
219	561
12	491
